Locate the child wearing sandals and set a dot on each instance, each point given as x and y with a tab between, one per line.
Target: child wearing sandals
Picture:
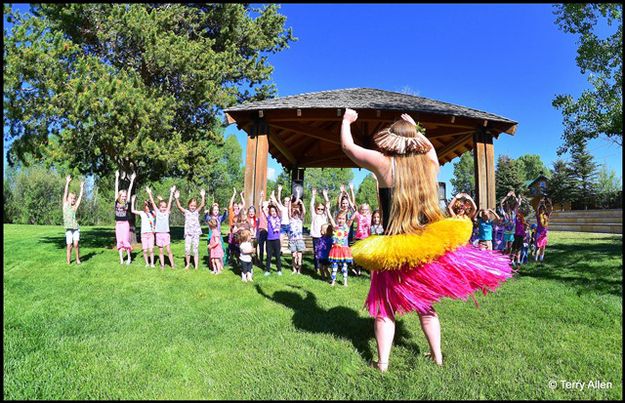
72	231
162	237
122	224
247	250
192	228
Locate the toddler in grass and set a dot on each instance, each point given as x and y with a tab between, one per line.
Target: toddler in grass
192	228
162	227
72	231
247	250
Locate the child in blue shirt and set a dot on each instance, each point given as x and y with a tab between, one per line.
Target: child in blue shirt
485	223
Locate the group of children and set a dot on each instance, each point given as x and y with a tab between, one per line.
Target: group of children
252	238
282	219
511	234
257	238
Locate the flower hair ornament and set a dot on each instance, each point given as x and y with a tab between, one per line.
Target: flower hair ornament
391	143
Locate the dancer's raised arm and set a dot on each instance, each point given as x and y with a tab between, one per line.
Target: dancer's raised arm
370	159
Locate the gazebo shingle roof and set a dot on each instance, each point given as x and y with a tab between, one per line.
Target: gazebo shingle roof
367	98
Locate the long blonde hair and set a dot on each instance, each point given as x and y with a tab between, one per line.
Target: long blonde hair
415	187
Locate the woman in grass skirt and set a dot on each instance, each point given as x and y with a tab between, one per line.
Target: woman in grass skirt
423	256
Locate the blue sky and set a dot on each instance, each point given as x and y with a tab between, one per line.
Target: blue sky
507	59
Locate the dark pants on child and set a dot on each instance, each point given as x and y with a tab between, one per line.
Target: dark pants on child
273	249
262	239
315	247
246	267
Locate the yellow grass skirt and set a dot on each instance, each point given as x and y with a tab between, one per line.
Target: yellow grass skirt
394	252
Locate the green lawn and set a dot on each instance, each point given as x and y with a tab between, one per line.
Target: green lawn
105	331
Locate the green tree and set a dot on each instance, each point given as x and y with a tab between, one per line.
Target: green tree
584	171
560	186
319	178
38	195
532	166
226	174
368	192
598	111
608	186
508	176
136	86
464	179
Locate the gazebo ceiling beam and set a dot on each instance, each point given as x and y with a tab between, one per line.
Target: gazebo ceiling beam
459	141
309	131
282	148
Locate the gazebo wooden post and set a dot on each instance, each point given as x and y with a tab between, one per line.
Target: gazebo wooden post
257	153
484	164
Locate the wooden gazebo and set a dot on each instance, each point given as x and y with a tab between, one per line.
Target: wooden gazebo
303	131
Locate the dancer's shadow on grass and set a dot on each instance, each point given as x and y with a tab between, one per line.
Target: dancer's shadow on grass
339	321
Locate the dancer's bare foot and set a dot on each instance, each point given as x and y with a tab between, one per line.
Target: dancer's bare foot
438	361
382	366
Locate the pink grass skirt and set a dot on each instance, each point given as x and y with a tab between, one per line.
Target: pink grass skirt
122	235
456	274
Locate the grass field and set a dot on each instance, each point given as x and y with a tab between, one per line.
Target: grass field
105	331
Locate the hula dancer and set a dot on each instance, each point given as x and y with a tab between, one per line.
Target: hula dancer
423	256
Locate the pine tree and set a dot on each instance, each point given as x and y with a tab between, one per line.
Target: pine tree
584	171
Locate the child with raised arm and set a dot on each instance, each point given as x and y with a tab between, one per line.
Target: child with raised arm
162	237
362	218
72	230
192	228
318	218
283	209
344	204
485	225
233	212
462	206
509	216
340	254
122	225
273	236
215	247
323	250
148	222
543	212
261	235
296	234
